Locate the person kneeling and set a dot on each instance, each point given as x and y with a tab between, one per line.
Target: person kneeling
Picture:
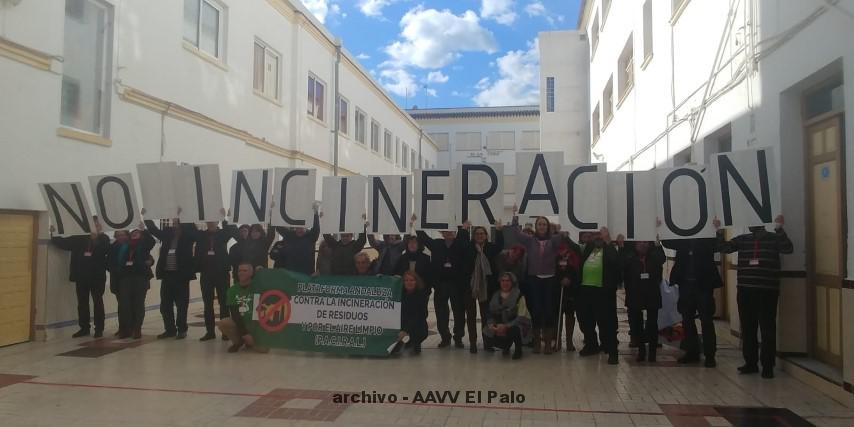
507	321
240	309
413	312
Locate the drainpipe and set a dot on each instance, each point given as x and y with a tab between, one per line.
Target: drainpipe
337	113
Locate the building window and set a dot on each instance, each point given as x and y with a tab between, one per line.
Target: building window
85	93
441	140
530	140
414	161
550	94
404	156
203	25
625	69
468	141
397	151
504	140
594	36
608	102
265	78
426	166
375	136
594	124
647	31
316	95
387	145
361	123
677	7
343	115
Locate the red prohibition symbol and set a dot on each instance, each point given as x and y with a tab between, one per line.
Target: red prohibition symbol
274	310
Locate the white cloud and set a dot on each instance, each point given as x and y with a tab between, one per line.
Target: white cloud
433	39
500	11
373	8
398	81
535	9
518	80
431	92
323	8
436	77
363	56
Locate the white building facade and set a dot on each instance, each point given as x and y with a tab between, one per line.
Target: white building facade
483	135
97	86
676	81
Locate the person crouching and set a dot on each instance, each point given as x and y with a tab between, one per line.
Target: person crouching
240	301
413	312
508	321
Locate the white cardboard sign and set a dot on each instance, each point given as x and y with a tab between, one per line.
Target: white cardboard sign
68	208
115	201
294	197
343	204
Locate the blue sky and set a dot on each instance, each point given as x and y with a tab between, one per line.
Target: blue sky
446	53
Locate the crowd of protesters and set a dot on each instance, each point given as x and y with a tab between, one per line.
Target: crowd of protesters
525	284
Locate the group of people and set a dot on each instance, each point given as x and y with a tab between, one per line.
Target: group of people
526	284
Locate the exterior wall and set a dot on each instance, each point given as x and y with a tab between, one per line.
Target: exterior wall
455	155
168	102
564	56
682	99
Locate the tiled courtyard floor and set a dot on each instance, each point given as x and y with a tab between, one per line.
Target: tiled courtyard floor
79	382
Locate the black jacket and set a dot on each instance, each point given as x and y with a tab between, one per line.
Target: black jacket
298	251
343	263
140	258
186	267
277	254
413	314
612	265
642	277
696	254
218	240
456	255
423	267
255	251
83	267
388	255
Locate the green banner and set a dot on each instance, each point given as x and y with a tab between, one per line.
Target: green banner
357	315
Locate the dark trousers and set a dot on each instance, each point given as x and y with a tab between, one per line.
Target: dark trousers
645	332
214	282
131	298
448	291
757	310
174	294
513	337
471	312
697	303
96	290
545	296
597	307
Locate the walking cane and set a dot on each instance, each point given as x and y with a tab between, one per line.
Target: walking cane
560	318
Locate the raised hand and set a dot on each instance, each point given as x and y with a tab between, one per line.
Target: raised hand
717	223
142	211
779	221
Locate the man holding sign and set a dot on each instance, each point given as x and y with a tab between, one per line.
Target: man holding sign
758	290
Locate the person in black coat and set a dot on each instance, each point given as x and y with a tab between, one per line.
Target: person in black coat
343	252
697	275
235	252
601	274
451	267
212	264
643	271
297	250
88	270
129	261
175	269
389	251
414	259
256	247
413	311
484	279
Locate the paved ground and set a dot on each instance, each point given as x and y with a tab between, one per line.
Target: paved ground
84	382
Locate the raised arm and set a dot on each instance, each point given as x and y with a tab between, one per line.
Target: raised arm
156	232
64	243
424	240
372	240
725	246
360	242
330	240
784	244
314	233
